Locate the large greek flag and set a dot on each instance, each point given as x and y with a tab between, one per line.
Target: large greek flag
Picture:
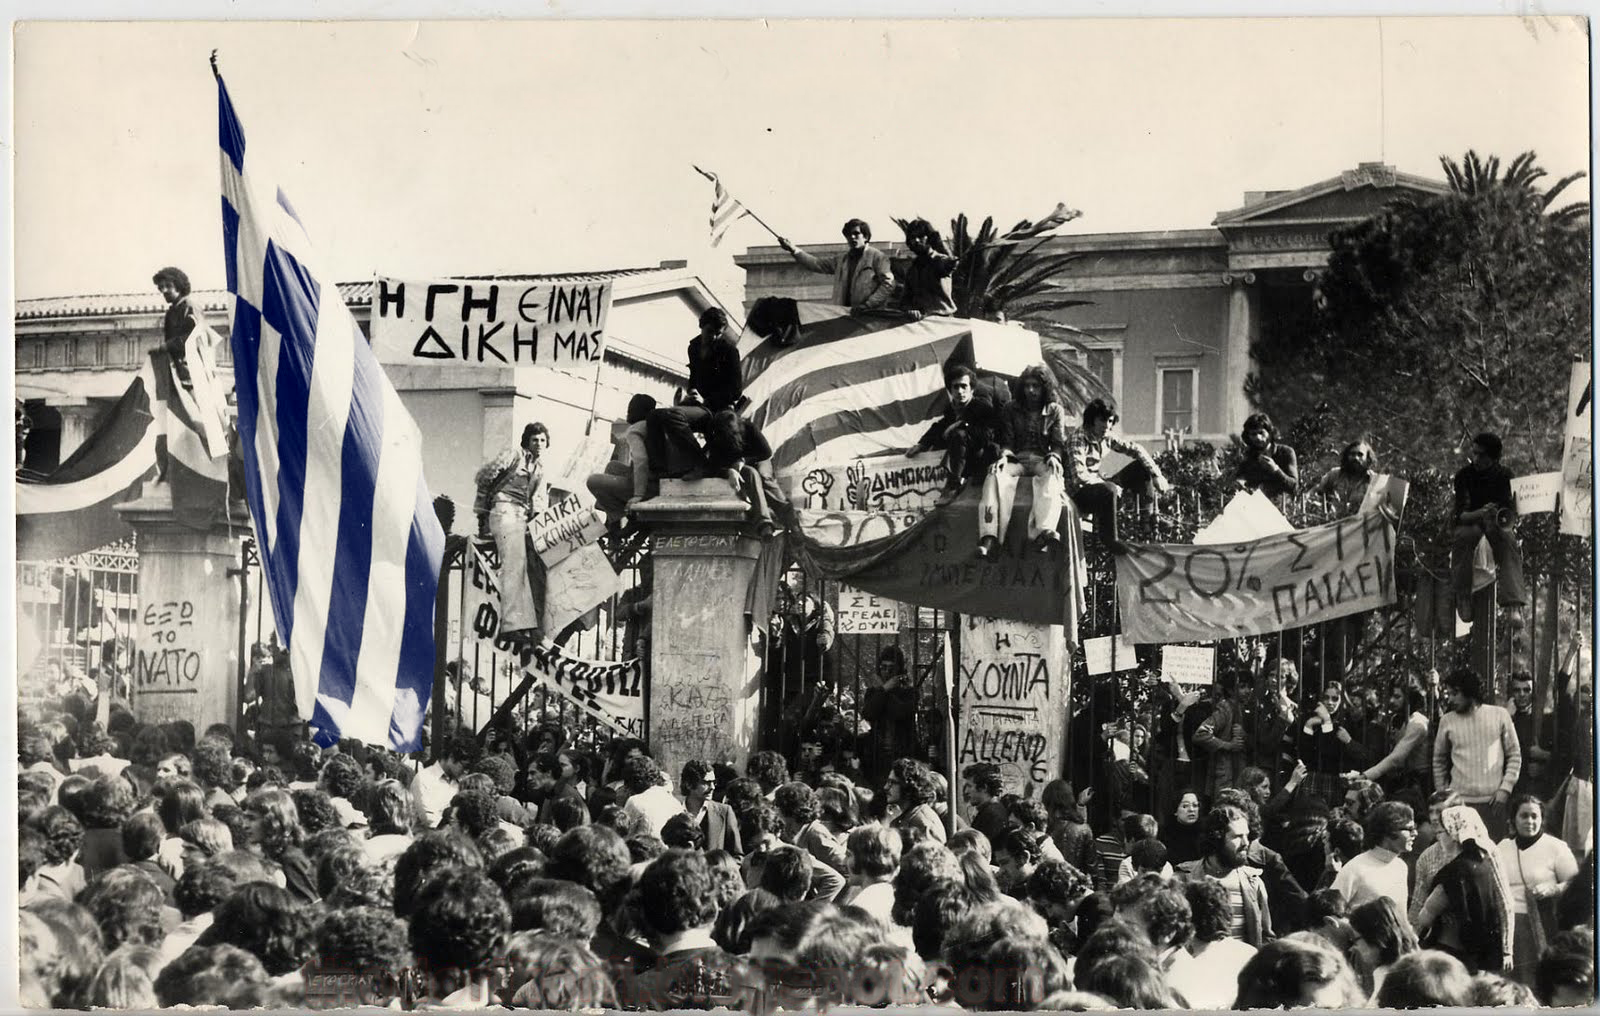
349	540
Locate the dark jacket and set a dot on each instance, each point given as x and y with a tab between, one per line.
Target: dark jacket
1257	911
981	418
714	372
722	829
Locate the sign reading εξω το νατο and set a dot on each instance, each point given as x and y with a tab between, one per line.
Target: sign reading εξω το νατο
490	322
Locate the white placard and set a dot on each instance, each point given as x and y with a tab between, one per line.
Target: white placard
490	322
1536	493
1189	664
862	613
1108	654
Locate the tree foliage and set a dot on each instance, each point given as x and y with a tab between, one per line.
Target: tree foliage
1443	317
1010	277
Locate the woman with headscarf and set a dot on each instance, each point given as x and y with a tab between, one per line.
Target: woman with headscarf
1468	911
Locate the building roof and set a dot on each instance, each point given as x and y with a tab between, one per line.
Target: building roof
356	294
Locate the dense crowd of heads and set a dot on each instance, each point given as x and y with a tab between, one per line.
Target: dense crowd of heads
161	868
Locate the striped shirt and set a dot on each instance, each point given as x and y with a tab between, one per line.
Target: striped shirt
1477	754
1084	455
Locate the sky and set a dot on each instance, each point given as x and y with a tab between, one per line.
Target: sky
419	149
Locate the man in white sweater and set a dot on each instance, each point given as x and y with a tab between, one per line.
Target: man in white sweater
1380	870
1476	753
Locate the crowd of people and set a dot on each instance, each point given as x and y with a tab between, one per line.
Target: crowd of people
161	868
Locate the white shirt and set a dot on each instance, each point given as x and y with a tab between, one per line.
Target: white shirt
1125	870
876	899
432	791
1371	874
655	806
1210	978
109	765
1548	860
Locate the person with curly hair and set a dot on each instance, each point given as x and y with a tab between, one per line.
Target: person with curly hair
649	798
674	906
909	792
70	953
458	928
208	975
59	876
1268	465
266	921
1212	981
277	836
1226	837
368	943
199	892
213	770
769	769
872	858
126	905
922	866
801	810
107	804
554	907
97	750
555	974
390	819
126	980
1032	438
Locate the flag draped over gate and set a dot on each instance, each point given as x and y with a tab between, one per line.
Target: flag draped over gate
350	544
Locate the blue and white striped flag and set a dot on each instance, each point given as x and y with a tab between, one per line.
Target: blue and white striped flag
349	541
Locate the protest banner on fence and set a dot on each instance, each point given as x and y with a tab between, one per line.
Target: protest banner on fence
863	613
1536	493
1109	654
1012	690
1577	456
1177	593
883	483
490	322
491	668
1189	664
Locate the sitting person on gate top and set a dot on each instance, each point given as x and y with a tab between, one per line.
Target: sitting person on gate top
627	475
1269	465
1485	510
714	385
1345	485
967	432
1032	441
1097	495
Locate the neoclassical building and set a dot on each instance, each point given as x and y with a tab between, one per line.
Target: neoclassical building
1173	313
76	355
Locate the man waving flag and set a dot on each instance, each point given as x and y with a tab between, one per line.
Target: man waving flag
350	544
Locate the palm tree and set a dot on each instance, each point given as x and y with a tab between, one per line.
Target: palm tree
1006	277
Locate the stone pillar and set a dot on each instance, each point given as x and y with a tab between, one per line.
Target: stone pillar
1241	331
186	656
702	696
77	420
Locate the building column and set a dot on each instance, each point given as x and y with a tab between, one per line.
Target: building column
186	663
702	702
1243	302
77	421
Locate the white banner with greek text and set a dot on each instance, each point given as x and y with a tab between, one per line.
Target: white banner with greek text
1176	593
490	322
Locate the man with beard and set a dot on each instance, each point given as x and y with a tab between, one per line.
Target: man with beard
966	432
1268	465
863	279
1345	485
1226	839
1476	752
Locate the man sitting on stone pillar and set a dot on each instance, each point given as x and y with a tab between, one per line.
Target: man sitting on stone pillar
627	475
1097	495
1484	509
967	432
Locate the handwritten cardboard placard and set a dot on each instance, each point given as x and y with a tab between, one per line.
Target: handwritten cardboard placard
1177	593
1536	493
1109	654
863	613
1012	691
1189	664
490	322
563	528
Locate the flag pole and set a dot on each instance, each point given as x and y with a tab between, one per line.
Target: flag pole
747	210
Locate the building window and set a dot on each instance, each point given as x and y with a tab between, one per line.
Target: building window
1176	407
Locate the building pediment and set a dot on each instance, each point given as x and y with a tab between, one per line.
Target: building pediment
1289	229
